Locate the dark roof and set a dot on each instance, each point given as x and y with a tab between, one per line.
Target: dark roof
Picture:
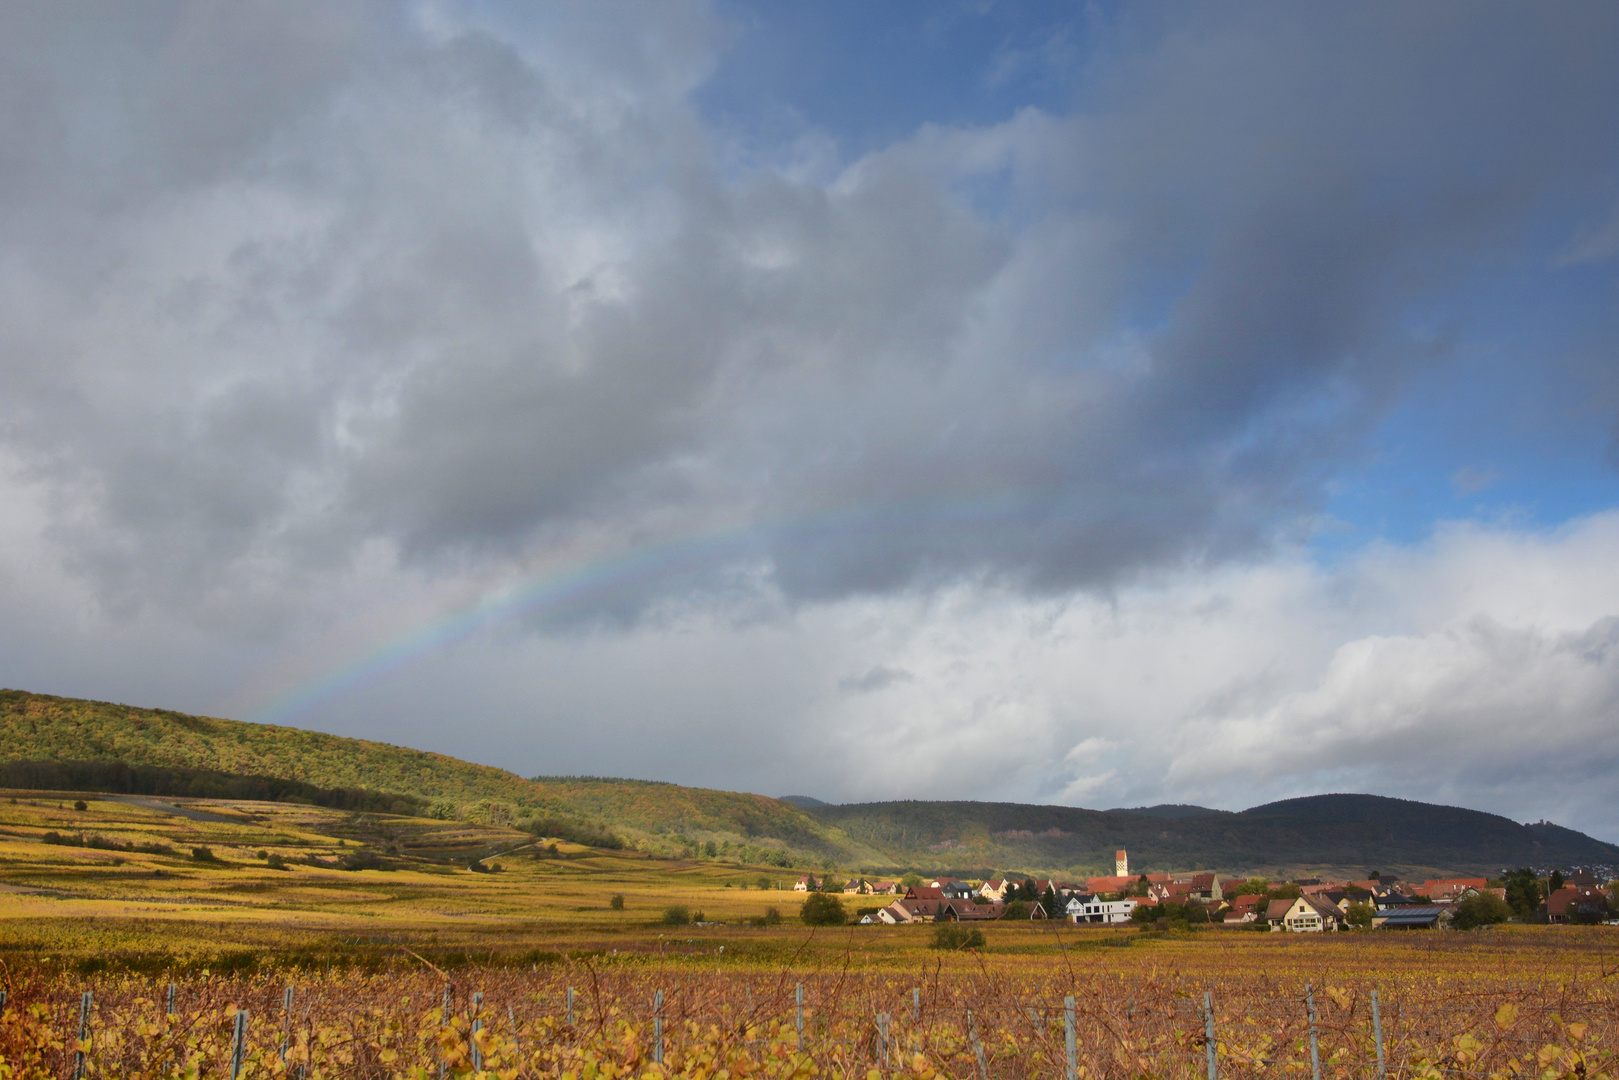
1419	915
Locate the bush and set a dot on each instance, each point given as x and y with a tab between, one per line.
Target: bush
81	805
823	909
1360	915
1017	909
202	854
772	916
676	915
952	935
1485	909
617	902
275	862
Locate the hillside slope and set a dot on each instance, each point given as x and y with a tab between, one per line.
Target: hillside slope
668	817
1364	831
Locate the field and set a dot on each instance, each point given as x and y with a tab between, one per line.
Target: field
420	967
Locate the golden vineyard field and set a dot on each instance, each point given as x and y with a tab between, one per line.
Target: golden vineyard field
1530	1002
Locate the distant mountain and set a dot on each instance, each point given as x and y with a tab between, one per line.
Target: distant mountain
1349	832
1167	810
804	802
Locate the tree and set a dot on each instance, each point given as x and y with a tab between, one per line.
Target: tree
617	902
1017	909
81	805
823	909
676	915
1480	909
1142	886
911	880
1523	893
1360	915
1555	883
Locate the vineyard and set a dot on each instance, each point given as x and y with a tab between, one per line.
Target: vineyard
1523	1008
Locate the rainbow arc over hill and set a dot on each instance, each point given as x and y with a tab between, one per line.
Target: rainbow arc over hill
579	587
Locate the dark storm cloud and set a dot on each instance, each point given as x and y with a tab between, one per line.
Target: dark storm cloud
283	281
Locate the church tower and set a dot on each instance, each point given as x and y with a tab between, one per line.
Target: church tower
1121	864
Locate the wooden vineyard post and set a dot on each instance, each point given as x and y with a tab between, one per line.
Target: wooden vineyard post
657	1027
171	1000
239	1045
477	1026
1208	1033
978	1047
882	1039
1315	1050
84	1031
1377	1034
286	1022
916	1004
800	1018
511	1014
2	1002
570	1006
1070	1043
444	1019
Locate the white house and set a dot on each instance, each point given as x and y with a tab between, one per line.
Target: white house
1089	908
1307	915
994	891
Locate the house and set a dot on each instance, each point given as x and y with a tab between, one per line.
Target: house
1306	915
1203	887
1577	903
967	911
1246	909
1448	890
805	884
885	888
857	887
994	891
1393	901
1411	917
955	890
1115	884
1090	908
897	914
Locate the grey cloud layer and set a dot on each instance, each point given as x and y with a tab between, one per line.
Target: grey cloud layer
283	281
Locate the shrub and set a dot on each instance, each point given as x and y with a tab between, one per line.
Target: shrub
202	854
1017	909
823	909
1485	909
1360	914
617	902
952	935
81	805
772	916
676	915
275	862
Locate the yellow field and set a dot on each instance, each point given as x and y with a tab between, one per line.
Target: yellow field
367	955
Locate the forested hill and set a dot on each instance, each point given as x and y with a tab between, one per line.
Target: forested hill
665	817
1339	831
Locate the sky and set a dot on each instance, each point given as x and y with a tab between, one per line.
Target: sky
1082	403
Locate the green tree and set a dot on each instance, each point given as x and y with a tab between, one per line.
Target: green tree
1523	893
772	916
911	880
617	902
1360	915
823	909
1555	882
676	915
1017	909
1482	909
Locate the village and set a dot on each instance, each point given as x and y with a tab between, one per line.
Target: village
1307	905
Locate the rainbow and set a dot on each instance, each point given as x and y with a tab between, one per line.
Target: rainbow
557	593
